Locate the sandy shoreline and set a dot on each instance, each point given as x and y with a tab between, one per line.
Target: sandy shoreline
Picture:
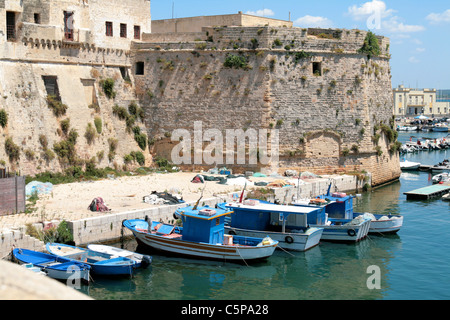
70	201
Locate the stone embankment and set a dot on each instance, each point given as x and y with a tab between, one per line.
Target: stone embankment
94	227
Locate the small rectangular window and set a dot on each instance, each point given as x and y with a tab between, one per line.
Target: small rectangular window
123	30
109	29
51	86
10	26
137	32
317	68
140	68
37	18
68	25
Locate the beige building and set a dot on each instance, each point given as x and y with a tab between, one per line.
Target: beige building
113	23
195	24
413	102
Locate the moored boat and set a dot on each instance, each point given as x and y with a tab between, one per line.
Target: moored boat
202	236
55	267
408	165
286	224
441	178
339	228
141	260
341	206
382	224
100	263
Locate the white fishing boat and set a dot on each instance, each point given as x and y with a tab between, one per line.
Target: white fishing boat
140	259
202	236
346	229
442	177
382	224
286	224
409	165
341	206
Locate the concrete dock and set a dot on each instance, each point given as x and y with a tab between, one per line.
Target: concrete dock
427	193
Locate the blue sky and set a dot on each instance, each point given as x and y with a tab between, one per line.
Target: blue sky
419	30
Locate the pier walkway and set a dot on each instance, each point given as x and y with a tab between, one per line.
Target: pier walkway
427	193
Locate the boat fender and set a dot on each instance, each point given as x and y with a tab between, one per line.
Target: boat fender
233	233
146	261
351	232
289	239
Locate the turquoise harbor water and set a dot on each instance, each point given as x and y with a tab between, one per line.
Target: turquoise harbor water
414	264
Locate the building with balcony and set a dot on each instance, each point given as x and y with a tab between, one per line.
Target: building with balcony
413	102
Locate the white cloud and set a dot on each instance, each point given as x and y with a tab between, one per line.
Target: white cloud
379	17
393	25
367	9
313	22
436	18
413	60
261	13
420	49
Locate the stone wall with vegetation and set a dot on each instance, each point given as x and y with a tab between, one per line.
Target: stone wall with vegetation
326	91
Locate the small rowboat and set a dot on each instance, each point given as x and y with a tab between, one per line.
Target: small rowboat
58	268
141	260
101	263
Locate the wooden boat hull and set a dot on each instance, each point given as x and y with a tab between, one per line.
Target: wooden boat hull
201	250
345	233
288	240
55	267
101	264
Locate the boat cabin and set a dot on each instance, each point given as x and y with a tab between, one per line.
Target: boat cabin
204	225
340	205
264	216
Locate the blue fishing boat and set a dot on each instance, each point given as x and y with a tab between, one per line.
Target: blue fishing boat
202	236
339	208
346	228
55	267
286	224
100	263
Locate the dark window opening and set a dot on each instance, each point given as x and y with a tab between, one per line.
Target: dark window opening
68	25
10	26
109	29
140	68
123	30
317	68
37	18
137	32
125	74
51	86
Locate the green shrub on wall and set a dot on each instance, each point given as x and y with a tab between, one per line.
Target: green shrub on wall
3	118
12	149
108	88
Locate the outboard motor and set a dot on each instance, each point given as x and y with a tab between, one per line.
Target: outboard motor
146	261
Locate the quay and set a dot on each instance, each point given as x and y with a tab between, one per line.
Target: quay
428	192
99	227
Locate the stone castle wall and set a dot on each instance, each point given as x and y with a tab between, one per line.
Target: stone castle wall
326	121
79	73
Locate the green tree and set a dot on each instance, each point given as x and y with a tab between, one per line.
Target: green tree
371	47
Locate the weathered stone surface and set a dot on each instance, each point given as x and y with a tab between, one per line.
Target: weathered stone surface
17	283
320	116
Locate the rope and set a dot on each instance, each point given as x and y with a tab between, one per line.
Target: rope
241	256
286	251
